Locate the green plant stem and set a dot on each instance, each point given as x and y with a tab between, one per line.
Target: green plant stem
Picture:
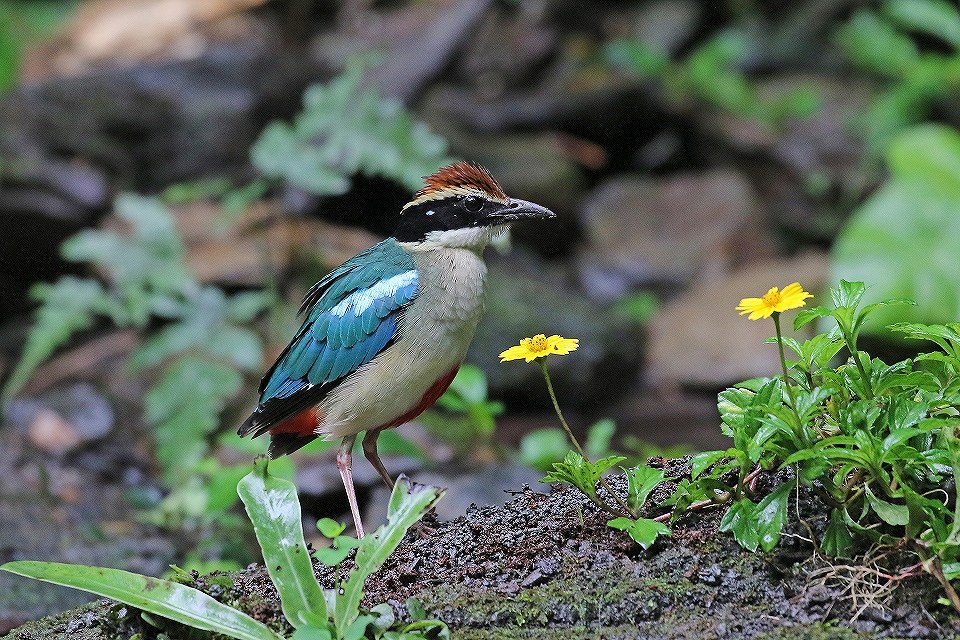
575	442
783	365
863	373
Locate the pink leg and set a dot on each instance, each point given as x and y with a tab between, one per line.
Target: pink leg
344	463
370	451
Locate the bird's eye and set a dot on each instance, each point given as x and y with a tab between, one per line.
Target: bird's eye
473	204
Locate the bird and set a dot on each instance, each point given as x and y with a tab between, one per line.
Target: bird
385	333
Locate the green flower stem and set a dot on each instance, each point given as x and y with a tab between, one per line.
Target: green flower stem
783	364
575	442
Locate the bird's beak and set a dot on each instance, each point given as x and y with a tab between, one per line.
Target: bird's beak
520	210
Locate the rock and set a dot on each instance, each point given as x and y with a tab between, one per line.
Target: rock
645	231
663	25
263	244
50	432
671	419
488	485
61	419
699	340
126	31
813	164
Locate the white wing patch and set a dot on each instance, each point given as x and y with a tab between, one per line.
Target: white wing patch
361	300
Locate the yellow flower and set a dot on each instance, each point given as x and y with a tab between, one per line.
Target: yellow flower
540	346
774	301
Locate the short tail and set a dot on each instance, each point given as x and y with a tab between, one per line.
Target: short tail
287	435
282	444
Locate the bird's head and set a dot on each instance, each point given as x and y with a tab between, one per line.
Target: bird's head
461	205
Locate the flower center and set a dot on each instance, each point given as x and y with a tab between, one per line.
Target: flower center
771	298
539	343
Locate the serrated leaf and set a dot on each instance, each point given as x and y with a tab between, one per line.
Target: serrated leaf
641	480
170	600
150	255
66	306
758	525
184	406
580	473
740	520
806	316
346	129
644	531
771	515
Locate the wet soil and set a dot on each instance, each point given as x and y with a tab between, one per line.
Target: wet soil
547	566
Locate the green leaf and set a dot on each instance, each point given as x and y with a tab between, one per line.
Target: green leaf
644	531
637	56
330	528
312	633
895	514
470	383
700	462
599	437
946	336
204	325
874	44
184	406
408	503
771	515
806	316
913	214
541	448
758	525
584	475
334	555
67	306
415	610
641	480
346	129
150	255
938	18
274	510
171	600
837	540
740	520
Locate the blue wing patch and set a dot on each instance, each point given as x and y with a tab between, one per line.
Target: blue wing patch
352	315
352	321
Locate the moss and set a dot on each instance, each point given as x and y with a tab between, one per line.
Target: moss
78	624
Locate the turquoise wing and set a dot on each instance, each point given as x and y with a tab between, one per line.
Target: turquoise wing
352	315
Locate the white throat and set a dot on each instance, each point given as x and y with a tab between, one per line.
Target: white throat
469	238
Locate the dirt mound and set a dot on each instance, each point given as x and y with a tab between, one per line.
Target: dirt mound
547	566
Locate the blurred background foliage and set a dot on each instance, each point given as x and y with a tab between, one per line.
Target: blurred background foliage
175	175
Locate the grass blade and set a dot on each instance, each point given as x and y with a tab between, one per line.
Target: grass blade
176	602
